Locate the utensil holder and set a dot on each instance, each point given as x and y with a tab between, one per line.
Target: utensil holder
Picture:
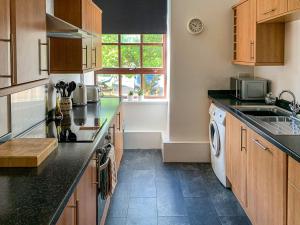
65	104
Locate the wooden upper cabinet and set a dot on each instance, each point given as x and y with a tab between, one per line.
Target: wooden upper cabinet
80	13
256	44
29	38
5	44
266	182
237	157
293	217
293	5
270	8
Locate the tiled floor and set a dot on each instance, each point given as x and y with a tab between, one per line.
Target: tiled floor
150	192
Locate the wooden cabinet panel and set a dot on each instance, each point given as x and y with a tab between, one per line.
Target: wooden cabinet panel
237	150
119	137
86	196
244	44
270	8
87	15
87	54
5	44
267	178
97	53
256	44
97	20
29	35
293	192
68	217
293	5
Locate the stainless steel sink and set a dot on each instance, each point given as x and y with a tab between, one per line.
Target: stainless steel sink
274	119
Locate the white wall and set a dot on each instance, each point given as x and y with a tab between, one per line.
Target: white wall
198	63
287	76
145	122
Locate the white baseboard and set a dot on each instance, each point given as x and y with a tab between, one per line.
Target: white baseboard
186	151
142	140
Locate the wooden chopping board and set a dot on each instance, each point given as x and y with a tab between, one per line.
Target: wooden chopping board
26	152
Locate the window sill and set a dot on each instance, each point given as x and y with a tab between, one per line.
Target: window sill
146	101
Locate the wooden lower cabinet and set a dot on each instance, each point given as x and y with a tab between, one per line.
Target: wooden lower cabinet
257	171
117	132
293	5
68	217
82	206
293	192
267	179
237	157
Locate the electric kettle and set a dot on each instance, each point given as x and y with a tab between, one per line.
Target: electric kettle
80	95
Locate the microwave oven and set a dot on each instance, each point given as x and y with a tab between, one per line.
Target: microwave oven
249	88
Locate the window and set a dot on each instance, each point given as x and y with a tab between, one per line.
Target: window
132	62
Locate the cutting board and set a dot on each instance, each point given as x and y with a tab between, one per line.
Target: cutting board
26	152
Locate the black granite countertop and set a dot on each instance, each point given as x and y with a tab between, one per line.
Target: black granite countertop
290	144
37	196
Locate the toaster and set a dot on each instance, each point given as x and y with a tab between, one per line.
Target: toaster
93	93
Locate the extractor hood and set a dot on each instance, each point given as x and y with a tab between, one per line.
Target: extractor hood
59	28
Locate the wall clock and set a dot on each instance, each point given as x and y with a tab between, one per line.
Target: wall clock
195	26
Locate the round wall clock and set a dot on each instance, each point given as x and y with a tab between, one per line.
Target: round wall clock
195	26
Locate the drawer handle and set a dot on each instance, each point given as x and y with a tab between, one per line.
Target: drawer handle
40	57
85	64
95	51
10	41
261	145
270	11
242	131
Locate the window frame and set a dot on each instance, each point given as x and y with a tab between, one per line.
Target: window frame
138	71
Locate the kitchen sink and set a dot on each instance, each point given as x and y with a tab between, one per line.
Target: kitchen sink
263	110
274	119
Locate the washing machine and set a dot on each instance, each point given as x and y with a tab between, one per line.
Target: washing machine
217	141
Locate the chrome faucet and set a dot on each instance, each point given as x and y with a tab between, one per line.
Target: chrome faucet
294	106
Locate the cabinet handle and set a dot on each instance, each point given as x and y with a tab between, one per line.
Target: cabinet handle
242	131
40	57
95	50
252	49
261	145
86	56
119	121
269	11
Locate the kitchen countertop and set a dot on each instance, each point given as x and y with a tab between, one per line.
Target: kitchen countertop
37	196
287	143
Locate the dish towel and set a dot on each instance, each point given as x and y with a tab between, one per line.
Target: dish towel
112	170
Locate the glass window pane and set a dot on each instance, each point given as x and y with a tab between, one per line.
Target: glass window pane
110	38
130	82
131	38
110	56
152	56
154	85
109	84
130	56
152	38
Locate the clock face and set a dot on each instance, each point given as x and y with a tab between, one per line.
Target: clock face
195	26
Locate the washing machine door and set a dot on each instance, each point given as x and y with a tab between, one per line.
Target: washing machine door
214	138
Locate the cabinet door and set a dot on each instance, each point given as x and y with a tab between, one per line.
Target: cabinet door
267	169
244	44
293	5
97	53
97	20
237	144
86	196
293	205
68	217
29	36
87	15
5	44
270	8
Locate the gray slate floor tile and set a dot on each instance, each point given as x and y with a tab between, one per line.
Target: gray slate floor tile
178	220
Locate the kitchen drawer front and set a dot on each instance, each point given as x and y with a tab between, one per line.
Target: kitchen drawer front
294	171
270	8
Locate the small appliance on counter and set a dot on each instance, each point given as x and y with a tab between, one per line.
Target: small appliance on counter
80	95
249	87
93	93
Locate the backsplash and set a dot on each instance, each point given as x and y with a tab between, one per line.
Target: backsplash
27	109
